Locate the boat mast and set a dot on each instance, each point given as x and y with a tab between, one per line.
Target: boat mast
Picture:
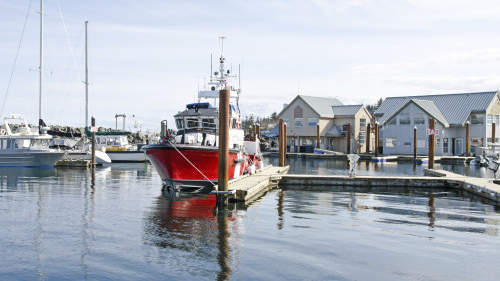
86	80
40	65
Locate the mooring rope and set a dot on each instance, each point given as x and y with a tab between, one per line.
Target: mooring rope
183	156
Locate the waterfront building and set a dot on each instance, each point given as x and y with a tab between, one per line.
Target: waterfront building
398	116
304	113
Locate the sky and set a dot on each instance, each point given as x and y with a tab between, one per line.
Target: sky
148	58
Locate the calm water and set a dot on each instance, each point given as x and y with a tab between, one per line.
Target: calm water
55	226
340	167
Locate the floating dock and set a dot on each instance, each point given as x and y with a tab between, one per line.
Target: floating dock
483	187
250	187
73	163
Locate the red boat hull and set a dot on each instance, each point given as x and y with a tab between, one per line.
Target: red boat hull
191	165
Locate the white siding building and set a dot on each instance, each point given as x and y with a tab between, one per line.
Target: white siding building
398	116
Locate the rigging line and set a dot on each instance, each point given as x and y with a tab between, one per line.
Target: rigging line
16	57
185	158
68	39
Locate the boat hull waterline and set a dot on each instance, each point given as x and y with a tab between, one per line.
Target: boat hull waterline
30	159
202	169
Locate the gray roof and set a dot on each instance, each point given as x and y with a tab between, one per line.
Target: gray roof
455	108
346	110
323	106
334	131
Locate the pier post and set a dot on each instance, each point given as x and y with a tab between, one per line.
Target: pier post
348	139
224	116
93	129
493	128
280	143
467	137
284	144
432	124
415	144
257	132
367	138
318	137
376	139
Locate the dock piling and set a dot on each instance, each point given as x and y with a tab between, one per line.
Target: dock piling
467	137
281	147
93	129
367	150
223	139
432	124
318	138
376	139
348	138
493	128
415	144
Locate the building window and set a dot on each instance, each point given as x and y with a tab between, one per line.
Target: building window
489	119
298	112
362	136
407	143
477	119
392	122
391	142
419	120
404	119
312	121
445	145
299	122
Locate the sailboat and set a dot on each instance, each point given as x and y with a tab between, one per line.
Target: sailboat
84	150
27	147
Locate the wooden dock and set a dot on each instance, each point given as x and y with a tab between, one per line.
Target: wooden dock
483	187
249	187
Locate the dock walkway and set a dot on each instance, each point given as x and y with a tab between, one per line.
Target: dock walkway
483	187
249	187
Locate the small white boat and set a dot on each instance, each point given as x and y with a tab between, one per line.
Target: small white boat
26	147
119	149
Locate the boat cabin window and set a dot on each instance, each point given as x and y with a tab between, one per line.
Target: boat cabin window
208	123
192	123
40	144
179	123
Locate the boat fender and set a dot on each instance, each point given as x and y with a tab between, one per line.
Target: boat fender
2	132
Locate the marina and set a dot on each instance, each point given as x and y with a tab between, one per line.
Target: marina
332	146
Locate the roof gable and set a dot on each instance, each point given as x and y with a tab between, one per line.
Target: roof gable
346	110
428	107
320	105
455	108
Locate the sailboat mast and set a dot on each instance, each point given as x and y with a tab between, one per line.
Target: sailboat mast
40	66
86	79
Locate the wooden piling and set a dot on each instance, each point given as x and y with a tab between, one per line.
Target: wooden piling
318	137
376	139
93	129
493	128
280	143
467	137
367	138
285	148
257	132
415	144
348	139
224	117
432	124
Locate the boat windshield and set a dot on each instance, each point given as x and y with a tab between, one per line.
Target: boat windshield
10	144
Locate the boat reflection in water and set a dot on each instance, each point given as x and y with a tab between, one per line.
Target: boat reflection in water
196	225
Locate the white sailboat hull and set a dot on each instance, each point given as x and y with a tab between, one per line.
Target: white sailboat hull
127	156
100	157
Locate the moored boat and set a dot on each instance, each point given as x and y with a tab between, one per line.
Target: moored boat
190	160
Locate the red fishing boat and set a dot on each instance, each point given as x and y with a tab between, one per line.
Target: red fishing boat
190	160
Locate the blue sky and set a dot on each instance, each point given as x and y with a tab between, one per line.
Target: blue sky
147	58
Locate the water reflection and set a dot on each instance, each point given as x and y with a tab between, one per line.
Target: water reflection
194	224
